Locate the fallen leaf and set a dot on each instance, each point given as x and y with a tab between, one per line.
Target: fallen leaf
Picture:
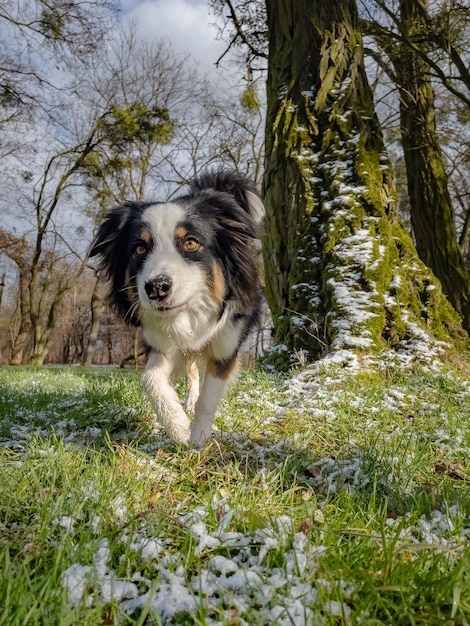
453	470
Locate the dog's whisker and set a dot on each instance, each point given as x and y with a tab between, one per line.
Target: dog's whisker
131	311
129	288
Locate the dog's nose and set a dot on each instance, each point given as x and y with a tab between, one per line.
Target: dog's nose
158	288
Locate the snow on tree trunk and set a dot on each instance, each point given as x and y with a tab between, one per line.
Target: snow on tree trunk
341	270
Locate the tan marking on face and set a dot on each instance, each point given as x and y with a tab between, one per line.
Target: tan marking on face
217	287
181	232
145	235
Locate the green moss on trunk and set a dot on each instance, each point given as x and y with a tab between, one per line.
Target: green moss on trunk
341	271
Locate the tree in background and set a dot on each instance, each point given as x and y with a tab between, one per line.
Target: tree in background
90	134
38	42
225	125
408	48
18	251
341	270
36	33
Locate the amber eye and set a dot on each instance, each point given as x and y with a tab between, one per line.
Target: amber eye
140	249
191	244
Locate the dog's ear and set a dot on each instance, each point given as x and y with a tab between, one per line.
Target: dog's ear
234	203
111	230
231	182
112	245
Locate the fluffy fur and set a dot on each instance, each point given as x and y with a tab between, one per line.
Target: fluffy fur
185	272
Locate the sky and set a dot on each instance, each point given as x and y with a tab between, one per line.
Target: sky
187	24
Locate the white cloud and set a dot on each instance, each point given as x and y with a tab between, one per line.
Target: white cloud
187	24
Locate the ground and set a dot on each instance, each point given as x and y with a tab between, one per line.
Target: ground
337	495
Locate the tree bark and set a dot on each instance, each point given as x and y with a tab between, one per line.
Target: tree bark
97	307
42	333
341	270
16	248
22	341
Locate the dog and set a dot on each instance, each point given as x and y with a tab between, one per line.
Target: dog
185	271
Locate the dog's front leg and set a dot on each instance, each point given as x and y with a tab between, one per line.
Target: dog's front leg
215	385
192	386
156	380
206	406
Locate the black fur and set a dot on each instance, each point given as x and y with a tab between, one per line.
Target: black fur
114	243
232	231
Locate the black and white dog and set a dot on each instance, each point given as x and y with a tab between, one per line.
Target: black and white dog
185	271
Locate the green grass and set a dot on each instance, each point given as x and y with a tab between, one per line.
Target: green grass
333	497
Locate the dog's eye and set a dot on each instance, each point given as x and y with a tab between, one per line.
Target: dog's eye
141	249
191	244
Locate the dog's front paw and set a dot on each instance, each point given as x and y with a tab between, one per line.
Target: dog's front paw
178	427
181	433
199	437
201	430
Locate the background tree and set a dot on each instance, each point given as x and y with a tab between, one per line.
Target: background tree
340	267
431	208
224	125
36	32
205	128
38	42
90	133
18	251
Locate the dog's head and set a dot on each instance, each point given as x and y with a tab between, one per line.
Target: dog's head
193	251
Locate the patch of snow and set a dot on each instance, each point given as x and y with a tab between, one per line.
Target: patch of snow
171	596
117	590
75	579
66	522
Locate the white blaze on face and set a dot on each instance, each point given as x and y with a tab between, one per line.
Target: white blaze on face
187	278
189	316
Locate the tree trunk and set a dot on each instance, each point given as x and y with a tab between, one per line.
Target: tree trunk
432	214
16	249
341	270
97	307
41	335
22	341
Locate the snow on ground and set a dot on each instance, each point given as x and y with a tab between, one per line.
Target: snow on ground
271	569
245	579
